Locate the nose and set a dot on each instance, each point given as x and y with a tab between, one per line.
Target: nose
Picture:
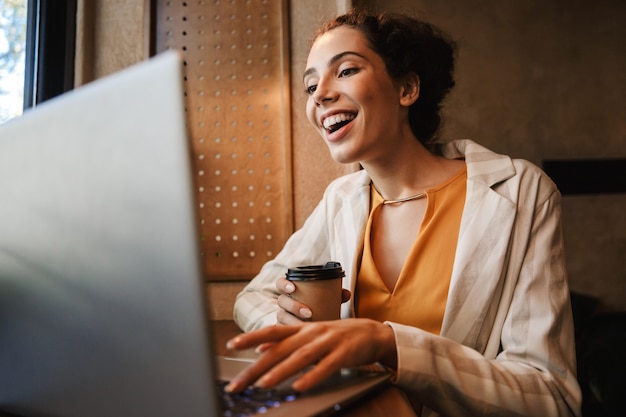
324	93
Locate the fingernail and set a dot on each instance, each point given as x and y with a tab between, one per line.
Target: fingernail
231	343
297	385
305	312
260	349
262	382
290	287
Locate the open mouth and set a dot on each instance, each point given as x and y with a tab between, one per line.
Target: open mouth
337	121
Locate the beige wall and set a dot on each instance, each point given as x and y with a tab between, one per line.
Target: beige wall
538	80
111	35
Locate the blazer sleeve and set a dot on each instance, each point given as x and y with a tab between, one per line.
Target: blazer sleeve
534	372
256	305
332	232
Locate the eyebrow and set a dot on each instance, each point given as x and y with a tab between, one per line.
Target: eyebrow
333	60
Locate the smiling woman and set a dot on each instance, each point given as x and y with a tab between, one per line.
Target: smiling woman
453	254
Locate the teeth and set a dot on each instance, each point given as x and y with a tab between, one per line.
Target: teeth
337	118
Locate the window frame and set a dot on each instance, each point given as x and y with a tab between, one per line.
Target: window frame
50	50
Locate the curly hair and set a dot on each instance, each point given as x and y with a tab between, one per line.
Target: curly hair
409	45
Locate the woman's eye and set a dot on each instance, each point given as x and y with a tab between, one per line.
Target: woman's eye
311	89
348	71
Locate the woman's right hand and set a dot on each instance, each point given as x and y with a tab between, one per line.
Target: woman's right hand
293	312
327	345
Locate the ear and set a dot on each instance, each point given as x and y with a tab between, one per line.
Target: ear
410	89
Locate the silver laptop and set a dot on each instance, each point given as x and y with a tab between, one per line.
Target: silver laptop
102	307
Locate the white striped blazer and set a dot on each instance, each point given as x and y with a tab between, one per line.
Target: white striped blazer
507	340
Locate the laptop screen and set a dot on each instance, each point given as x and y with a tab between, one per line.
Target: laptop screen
101	297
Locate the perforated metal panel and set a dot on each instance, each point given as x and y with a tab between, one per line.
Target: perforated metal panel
236	87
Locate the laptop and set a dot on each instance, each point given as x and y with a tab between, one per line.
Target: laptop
102	302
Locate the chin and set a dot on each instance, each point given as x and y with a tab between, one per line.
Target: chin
342	153
342	159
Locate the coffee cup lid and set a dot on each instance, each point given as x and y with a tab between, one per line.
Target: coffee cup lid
329	270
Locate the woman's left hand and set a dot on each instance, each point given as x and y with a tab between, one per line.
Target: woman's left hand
328	345
293	312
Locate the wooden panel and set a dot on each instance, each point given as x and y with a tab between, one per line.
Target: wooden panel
236	83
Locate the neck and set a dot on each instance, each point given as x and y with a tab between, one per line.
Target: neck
407	173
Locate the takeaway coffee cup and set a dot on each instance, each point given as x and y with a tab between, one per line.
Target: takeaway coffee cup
319	288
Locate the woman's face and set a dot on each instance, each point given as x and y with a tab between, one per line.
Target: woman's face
353	103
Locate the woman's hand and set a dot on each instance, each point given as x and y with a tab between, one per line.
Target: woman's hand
293	312
328	345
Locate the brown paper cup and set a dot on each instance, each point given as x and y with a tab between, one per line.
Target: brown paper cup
319	288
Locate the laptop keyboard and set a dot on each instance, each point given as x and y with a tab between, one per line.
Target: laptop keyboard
253	400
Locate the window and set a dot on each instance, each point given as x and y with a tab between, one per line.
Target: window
12	56
37	45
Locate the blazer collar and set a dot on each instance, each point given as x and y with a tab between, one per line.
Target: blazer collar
483	165
482	252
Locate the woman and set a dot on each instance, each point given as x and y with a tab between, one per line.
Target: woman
453	254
